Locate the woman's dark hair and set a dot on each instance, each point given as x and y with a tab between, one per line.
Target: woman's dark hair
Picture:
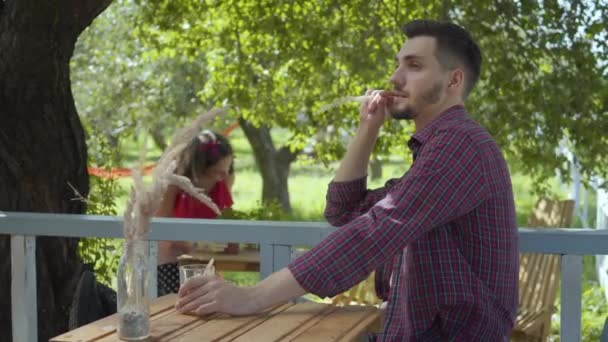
204	151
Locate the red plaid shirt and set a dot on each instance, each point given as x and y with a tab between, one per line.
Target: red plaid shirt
446	231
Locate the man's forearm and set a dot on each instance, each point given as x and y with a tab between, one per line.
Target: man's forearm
355	162
279	287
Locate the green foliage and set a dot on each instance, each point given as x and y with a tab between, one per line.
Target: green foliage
544	80
150	65
242	278
594	304
281	67
594	313
276	62
102	254
271	211
123	89
102	197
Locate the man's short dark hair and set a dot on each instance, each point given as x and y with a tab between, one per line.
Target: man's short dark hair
455	46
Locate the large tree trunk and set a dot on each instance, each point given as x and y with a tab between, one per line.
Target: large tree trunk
42	144
273	163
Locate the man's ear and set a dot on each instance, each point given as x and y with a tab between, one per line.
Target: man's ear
456	79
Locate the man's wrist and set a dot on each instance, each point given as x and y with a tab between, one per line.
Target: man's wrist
256	298
277	288
368	132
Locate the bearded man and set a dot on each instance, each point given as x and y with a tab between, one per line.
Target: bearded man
442	238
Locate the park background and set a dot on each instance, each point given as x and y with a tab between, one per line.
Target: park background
141	70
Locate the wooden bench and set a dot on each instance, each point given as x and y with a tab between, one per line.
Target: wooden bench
539	275
246	260
363	293
303	322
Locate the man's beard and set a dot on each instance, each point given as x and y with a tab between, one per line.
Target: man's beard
411	111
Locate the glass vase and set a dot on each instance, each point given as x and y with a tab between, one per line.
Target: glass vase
133	299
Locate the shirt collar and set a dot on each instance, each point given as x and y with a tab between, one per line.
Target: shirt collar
422	136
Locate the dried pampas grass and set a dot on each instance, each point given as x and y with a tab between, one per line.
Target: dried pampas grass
144	202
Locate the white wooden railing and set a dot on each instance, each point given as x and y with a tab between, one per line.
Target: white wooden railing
276	240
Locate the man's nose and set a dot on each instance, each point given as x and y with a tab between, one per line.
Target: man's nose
397	79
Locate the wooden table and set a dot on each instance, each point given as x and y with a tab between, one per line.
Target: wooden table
245	260
300	322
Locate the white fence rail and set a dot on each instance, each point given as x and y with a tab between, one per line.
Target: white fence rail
276	240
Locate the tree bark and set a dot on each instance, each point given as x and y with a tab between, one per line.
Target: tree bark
158	137
274	164
42	144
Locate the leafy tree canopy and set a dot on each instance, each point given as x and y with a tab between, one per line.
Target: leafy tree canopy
278	62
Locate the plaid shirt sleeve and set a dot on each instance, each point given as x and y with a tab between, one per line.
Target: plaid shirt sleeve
382	278
349	200
445	182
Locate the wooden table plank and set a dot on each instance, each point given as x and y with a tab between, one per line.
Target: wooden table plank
302	322
371	323
164	326
223	327
310	324
344	324
107	325
282	325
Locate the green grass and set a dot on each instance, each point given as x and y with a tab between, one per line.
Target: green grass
242	278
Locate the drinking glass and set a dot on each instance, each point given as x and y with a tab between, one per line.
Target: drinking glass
192	270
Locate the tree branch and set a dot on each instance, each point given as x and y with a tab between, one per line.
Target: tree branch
259	138
285	153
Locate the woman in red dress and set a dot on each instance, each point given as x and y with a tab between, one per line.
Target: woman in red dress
208	162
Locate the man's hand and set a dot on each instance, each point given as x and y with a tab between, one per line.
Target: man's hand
373	112
371	115
208	294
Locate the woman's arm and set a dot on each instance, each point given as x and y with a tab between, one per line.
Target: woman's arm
230	181
168	250
167	203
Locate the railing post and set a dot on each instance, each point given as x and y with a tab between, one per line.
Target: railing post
571	297
23	288
282	256
273	258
